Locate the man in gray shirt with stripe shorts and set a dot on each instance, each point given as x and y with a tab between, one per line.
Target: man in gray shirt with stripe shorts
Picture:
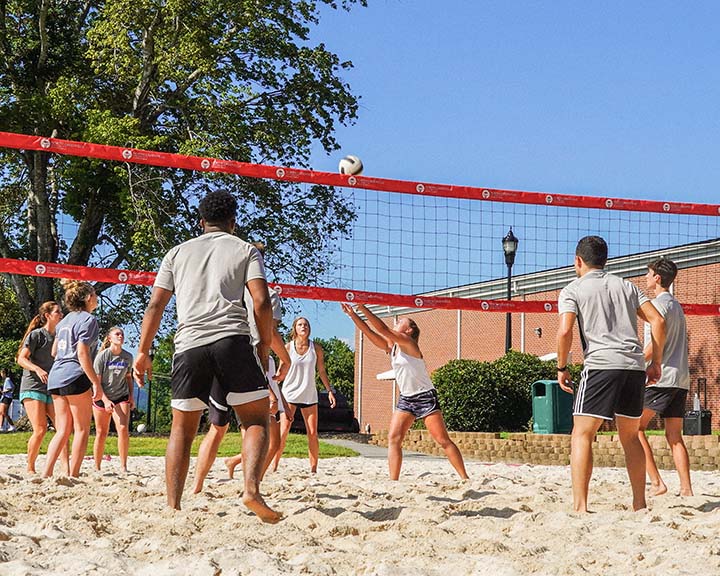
612	384
215	359
667	396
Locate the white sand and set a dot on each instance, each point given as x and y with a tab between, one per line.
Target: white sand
350	519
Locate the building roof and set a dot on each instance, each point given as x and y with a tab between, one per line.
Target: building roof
630	266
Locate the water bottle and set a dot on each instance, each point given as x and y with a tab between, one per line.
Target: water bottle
696	402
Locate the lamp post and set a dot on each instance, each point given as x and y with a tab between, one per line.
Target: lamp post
510	244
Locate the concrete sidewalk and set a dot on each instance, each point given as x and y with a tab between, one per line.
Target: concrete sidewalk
377	452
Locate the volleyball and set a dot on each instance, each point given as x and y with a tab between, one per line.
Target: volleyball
350	165
141	428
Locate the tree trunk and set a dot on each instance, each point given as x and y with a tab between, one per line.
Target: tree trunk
41	225
88	232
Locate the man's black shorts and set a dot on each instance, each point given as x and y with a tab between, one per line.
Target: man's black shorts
228	370
667	402
609	393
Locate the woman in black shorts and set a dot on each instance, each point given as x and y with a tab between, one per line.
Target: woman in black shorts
72	379
113	364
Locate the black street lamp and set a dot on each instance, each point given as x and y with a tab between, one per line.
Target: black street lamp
510	245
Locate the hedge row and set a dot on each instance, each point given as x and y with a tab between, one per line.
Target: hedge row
492	396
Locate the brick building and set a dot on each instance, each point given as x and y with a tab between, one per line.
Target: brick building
450	334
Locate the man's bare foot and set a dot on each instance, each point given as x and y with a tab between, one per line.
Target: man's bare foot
197	488
257	505
687	492
230	465
658	489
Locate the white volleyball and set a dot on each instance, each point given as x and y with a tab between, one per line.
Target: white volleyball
350	165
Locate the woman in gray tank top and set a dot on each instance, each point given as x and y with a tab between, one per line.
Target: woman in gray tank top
35	357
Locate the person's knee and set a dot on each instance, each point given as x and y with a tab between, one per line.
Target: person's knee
63	430
444	441
674	437
395	437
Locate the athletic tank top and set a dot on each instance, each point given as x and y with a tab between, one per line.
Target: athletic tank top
299	385
273	385
411	373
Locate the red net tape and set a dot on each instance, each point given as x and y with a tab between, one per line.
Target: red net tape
165	159
30	268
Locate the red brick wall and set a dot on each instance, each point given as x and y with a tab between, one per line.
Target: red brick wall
483	338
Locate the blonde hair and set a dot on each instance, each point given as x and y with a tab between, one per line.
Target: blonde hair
38	321
106	340
76	293
293	334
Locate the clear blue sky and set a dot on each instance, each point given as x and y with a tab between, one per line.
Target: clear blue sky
612	98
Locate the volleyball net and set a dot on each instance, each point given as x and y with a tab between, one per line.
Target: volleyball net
425	245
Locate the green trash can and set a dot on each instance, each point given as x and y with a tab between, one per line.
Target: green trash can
552	408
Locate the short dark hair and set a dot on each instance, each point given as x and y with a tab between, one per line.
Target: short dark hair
218	207
593	250
666	269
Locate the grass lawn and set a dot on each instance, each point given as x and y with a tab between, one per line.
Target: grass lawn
16	443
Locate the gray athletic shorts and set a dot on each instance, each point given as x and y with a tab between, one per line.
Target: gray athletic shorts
419	405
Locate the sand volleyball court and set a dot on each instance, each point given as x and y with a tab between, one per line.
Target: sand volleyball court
350	519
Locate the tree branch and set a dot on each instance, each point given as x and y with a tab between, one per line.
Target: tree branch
42	26
21	290
88	232
3	33
100	287
84	15
149	67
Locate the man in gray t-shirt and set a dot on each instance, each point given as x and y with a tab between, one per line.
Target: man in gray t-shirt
668	395
215	358
613	379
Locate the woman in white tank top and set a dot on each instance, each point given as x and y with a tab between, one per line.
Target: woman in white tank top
299	388
418	397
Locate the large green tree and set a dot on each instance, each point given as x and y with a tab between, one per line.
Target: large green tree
234	79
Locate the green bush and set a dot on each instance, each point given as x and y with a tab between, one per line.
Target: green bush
491	396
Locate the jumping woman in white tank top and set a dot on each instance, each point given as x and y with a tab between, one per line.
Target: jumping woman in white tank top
299	388
418	397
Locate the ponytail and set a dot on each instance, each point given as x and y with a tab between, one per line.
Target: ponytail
37	322
76	293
